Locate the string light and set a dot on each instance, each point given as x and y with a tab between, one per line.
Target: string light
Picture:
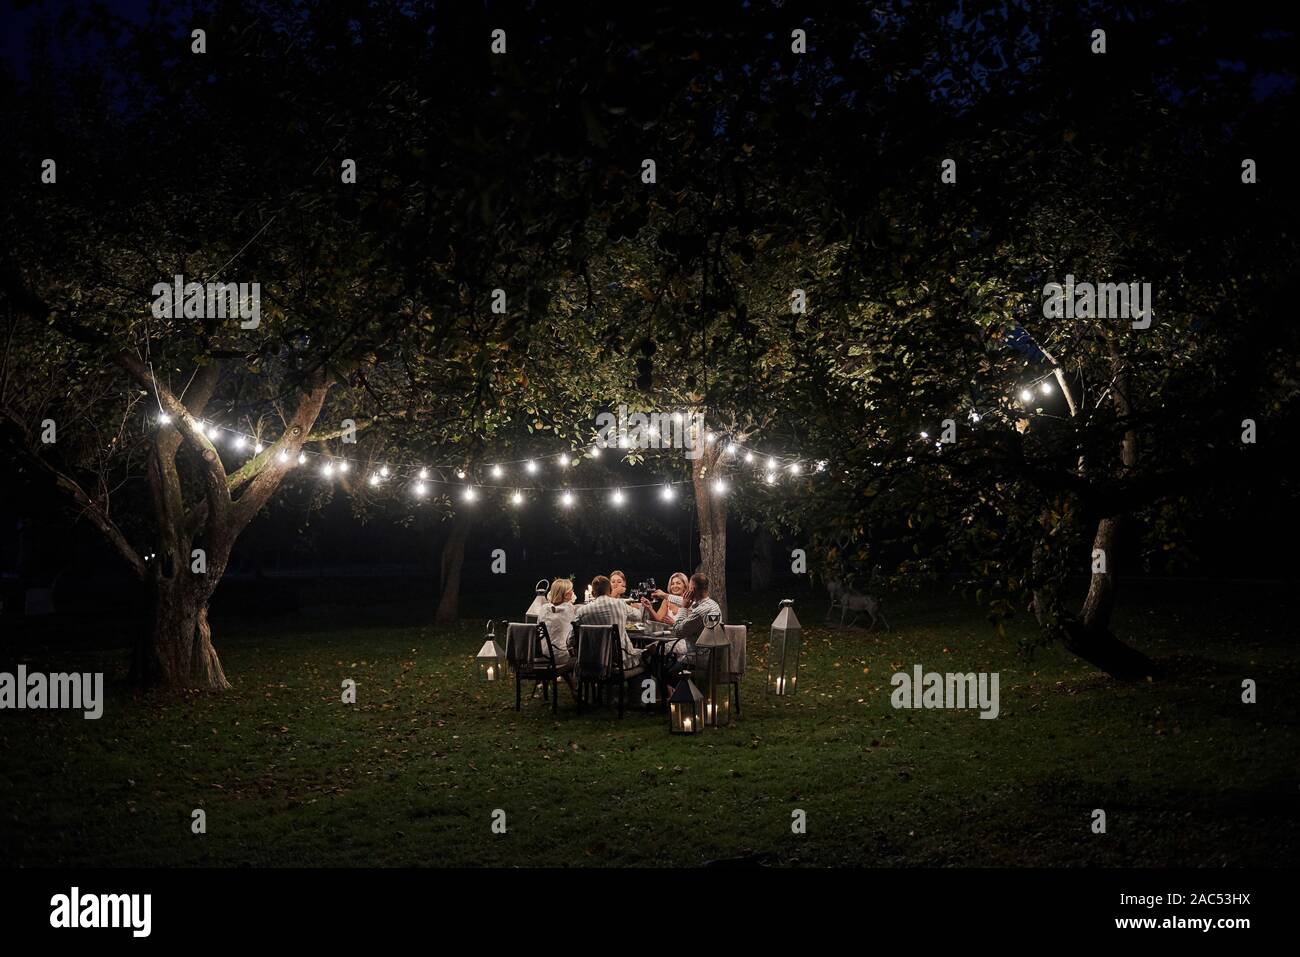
517	498
719	487
731	448
424	474
460	473
302	458
497	471
771	464
794	468
749	458
374	479
566	499
617	497
771	478
164	418
421	489
595	451
213	432
1046	387
239	442
258	448
383	471
667	493
327	469
531	467
469	494
564	461
283	456
1025	395
343	465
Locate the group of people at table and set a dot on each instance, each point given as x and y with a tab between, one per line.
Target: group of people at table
685	608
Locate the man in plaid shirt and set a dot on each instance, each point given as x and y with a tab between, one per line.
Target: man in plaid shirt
606	610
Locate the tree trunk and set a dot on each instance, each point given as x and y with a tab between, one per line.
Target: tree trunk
177	650
1088	635
453	559
711	509
760	562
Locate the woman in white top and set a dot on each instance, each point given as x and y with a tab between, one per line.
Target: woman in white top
671	606
557	616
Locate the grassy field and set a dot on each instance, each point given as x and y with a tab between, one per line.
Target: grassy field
411	774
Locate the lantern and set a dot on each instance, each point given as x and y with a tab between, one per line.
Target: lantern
783	651
685	707
717	697
491	658
539	601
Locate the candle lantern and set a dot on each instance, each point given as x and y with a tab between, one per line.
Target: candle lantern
539	601
491	658
685	707
783	651
717	695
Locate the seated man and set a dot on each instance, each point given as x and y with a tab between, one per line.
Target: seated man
603	609
697	607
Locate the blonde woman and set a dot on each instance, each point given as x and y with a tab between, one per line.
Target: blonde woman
671	605
557	615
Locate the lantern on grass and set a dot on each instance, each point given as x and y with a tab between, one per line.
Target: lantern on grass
717	695
685	707
783	651
491	658
539	601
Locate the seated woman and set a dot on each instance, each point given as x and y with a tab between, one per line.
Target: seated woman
557	615
618	590
671	605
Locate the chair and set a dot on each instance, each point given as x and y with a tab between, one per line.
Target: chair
600	664
530	656
738	637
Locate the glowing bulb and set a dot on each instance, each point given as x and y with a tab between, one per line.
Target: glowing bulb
731	448
163	418
710	437
213	431
771	464
424	474
566	499
771	478
327	469
343	466
564	461
469	495
283	456
719	487
749	458
421	488
517	499
258	448
531	466
1025	395
794	468
460	473
496	471
667	493
302	458
1047	388
239	442
374	479
595	451
383	471
617	497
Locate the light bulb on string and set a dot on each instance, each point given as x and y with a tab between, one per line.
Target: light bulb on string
749	458
239	442
469	494
771	464
374	479
284	455
1046	388
343	465
564	461
617	497
424	474
258	448
1026	395
794	468
460	473
595	451
566	499
164	418
771	478
517	498
421	489
302	458
710	438
531	467
383	471
327	469
497	471
213	432
667	493
719	487
731	448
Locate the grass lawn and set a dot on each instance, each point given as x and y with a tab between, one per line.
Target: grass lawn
410	775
